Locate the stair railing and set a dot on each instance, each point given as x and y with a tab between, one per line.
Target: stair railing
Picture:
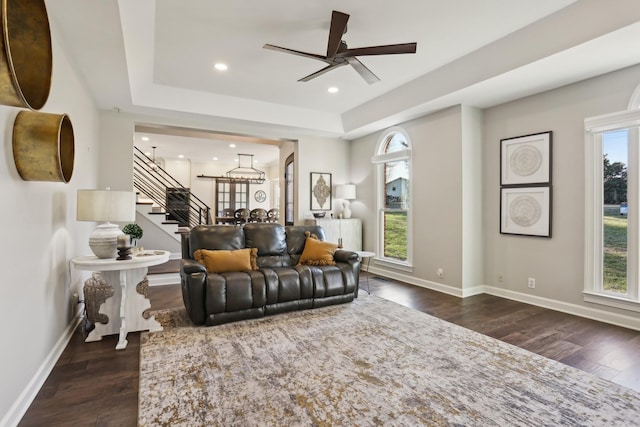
153	181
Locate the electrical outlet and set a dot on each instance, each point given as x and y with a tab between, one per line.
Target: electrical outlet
500	278
531	282
440	273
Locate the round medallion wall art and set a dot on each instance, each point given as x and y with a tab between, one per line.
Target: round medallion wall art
526	160
525	185
260	196
43	144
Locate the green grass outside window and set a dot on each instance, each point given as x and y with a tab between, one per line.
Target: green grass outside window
615	250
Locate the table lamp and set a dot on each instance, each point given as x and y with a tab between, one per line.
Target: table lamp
346	192
105	206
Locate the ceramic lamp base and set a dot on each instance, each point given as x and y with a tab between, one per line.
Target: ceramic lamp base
103	240
346	210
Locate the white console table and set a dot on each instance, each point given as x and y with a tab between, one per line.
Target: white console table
350	230
125	307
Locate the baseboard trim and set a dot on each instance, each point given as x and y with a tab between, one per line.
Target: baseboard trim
577	310
416	281
21	405
163	279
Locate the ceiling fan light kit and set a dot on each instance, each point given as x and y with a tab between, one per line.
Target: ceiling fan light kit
339	54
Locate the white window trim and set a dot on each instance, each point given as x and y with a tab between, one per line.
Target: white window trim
379	161
594	128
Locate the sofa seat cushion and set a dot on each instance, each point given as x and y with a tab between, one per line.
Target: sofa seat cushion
234	291
284	284
332	280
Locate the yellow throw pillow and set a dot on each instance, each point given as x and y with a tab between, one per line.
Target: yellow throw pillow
317	252
223	261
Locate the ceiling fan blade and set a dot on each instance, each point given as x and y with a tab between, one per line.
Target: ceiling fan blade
295	52
338	27
390	49
362	69
321	72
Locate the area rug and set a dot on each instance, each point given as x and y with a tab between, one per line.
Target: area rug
367	363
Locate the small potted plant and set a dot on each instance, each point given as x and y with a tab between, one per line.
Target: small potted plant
133	230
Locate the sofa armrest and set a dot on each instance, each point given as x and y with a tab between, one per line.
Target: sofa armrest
342	255
193	280
188	266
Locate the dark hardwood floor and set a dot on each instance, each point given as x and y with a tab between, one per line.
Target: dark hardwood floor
94	385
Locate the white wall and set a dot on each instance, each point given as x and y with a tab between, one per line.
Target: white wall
41	235
326	155
557	264
472	243
179	169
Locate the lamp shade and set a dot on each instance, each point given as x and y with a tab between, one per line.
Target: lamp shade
346	191
106	205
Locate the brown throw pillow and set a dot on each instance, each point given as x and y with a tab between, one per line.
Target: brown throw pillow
317	252
223	261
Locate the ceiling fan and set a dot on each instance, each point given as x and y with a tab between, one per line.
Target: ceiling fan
338	54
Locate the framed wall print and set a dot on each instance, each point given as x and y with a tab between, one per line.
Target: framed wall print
526	160
525	211
320	191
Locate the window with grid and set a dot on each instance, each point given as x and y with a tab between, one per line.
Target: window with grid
393	186
231	194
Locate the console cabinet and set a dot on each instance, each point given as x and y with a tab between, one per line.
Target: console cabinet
350	230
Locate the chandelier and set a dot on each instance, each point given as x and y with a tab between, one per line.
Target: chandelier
245	170
154	163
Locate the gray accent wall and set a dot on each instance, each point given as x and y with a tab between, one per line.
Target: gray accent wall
557	264
456	197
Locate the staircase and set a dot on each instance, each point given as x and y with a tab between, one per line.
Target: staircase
165	209
170	200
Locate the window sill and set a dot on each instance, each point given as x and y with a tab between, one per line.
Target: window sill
612	301
398	265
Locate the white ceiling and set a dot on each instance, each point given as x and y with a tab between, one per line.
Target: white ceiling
157	56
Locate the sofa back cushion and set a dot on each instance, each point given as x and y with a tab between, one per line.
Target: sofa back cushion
270	240
296	238
215	237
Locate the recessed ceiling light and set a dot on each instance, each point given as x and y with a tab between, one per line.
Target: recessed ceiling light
215	158
220	66
181	156
145	138
232	145
333	89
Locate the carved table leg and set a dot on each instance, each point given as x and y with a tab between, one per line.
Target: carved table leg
125	308
122	339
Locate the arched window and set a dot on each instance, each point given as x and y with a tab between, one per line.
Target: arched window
393	202
612	221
